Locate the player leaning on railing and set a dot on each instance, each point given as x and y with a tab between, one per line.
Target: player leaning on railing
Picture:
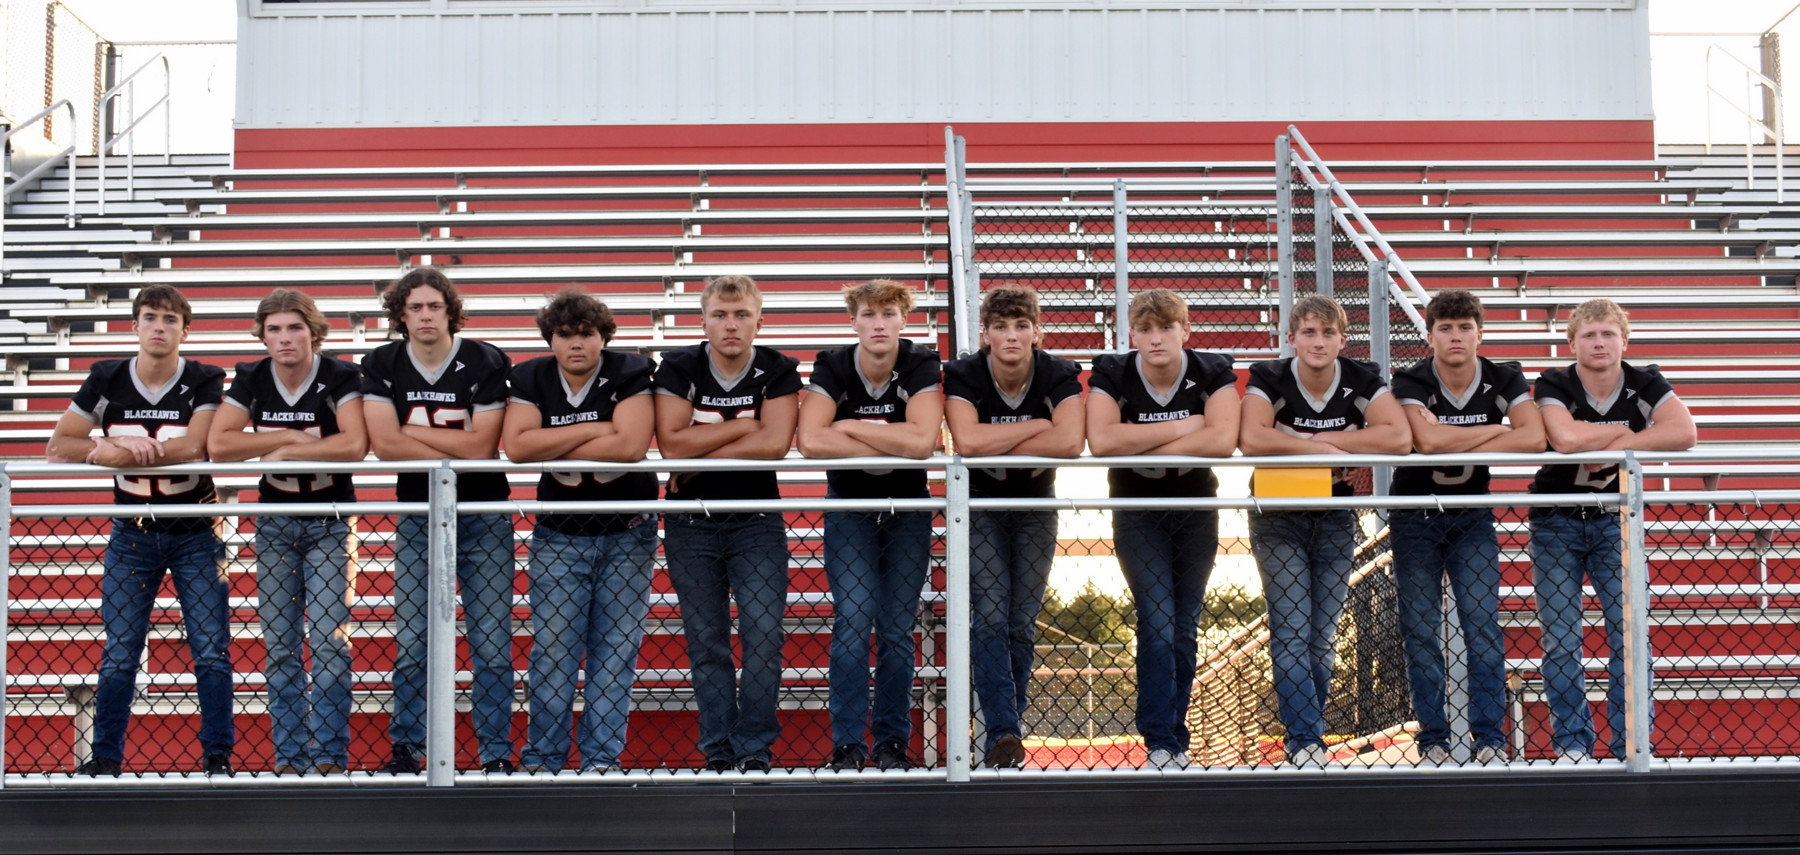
1010	398
1600	403
154	409
1456	401
299	405
590	573
430	396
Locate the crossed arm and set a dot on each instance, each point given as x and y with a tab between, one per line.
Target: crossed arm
1061	435
821	436
626	438
767	437
394	441
70	443
227	440
1213	433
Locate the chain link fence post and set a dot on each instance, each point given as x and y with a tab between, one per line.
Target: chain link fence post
1284	238
440	671
5	604
1638	693
956	212
956	618
1121	272
1324	234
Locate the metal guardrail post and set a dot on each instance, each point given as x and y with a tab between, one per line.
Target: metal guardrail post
5	603
1378	351
440	669
971	272
1121	271
1284	239
957	704
1638	697
1322	242
964	342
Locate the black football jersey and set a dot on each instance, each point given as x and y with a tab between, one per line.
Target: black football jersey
540	383
1639	393
471	380
1120	376
116	399
690	373
1297	413
1052	381
1498	387
330	384
836	376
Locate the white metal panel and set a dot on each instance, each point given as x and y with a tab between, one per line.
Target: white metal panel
544	62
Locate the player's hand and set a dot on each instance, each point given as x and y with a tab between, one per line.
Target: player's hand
301	437
1429	417
144	451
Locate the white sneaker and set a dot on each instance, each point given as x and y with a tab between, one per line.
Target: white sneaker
1310	757
1163	759
1573	755
1490	755
1434	755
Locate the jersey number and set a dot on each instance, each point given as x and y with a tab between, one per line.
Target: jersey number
454	418
574	479
1452	476
150	486
713	417
291	483
1595	480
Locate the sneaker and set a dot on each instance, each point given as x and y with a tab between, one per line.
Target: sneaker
500	766
851	757
603	768
1573	755
890	756
99	766
1435	755
1162	758
329	769
718	764
1008	753
754	764
1490	755
404	762
1310	757
216	764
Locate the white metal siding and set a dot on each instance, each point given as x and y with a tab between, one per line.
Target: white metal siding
497	63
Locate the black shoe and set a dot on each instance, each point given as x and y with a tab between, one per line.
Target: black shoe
402	763
501	766
718	764
754	764
216	764
890	756
1008	753
99	766
848	758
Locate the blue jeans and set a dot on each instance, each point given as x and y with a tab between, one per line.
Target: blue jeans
135	563
303	583
589	596
1428	545
1010	553
1564	549
1167	557
484	574
712	562
876	563
1304	558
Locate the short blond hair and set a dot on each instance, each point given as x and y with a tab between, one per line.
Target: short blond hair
732	287
1599	310
878	292
1157	305
1318	306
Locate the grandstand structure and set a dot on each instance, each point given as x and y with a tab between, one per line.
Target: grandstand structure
810	170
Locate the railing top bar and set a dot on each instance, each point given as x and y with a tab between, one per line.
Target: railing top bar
1108	181
708	507
1490	500
47	470
1741	64
173	511
1723	497
126	80
35	117
789	463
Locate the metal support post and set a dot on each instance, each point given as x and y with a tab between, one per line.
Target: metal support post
964	342
1323	226
5	598
1378	351
971	271
1121	271
1638	697
956	618
1284	239
1456	676
440	669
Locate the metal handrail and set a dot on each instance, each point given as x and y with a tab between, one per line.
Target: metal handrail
68	151
129	87
1751	78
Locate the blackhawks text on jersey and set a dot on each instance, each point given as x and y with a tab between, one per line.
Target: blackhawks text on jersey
1355	385
540	383
1639	393
837	375
690	373
1051	381
310	409
471	380
1498	387
115	398
1120	376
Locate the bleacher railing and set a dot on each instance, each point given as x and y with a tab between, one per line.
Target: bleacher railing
1713	575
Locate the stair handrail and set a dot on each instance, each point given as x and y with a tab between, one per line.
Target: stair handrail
49	163
129	87
1751	78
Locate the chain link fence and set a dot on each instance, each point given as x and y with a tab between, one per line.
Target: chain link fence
51	54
